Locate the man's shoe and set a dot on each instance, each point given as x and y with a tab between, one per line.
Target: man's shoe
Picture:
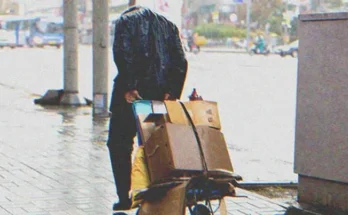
122	205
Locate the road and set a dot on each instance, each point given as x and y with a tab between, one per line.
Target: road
256	97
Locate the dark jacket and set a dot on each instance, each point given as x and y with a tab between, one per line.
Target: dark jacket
149	56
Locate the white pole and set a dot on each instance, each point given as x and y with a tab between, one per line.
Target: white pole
100	57
70	46
71	96
248	22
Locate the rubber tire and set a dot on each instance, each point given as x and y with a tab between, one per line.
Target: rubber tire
201	209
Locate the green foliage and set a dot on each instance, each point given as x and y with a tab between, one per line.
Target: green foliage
219	31
293	30
334	3
275	24
264	11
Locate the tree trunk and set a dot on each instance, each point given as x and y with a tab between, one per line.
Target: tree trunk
131	3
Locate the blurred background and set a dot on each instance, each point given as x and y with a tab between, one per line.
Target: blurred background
221	22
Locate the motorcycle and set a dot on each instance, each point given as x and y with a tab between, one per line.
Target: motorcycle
191	46
255	50
195	48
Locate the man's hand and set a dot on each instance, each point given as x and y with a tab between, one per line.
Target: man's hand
131	96
166	96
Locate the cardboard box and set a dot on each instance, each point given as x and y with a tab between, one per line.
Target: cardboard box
176	113
145	128
171	146
141	109
214	149
204	113
172	150
159	107
201	113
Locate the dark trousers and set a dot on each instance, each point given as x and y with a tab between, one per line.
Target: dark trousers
122	130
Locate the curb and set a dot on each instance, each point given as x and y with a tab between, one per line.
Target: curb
255	185
217	50
293	210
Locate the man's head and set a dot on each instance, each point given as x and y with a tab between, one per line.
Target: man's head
138	11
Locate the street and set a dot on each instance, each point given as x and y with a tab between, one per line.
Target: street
256	97
53	160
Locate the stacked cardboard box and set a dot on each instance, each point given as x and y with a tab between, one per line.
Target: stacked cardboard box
174	147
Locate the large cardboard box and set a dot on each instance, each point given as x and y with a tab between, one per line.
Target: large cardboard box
172	150
214	149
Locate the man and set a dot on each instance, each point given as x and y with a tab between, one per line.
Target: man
260	43
152	66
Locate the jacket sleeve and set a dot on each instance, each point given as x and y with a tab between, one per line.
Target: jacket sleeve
178	70
123	51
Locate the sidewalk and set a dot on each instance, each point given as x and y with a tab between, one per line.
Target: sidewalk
54	161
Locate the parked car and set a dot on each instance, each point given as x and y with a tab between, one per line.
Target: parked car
290	49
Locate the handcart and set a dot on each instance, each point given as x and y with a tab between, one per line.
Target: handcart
184	192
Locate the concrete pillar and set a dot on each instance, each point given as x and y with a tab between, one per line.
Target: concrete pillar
100	57
70	46
71	96
321	147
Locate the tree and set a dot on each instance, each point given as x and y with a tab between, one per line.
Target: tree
293	30
334	3
263	12
318	5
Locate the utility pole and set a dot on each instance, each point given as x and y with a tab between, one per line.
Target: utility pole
248	23
71	95
100	57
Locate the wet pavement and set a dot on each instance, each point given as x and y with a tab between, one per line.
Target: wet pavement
53	160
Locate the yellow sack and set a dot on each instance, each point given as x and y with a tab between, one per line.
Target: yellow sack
140	176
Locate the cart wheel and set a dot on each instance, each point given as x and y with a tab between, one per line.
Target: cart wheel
200	210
